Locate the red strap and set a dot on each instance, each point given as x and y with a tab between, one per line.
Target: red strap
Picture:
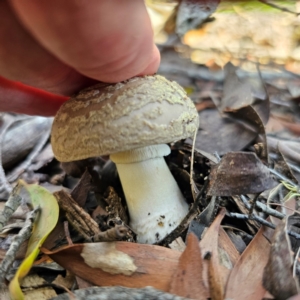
20	98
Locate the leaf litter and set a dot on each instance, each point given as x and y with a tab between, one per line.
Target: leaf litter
247	249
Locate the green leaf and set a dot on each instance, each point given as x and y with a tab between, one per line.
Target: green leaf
294	191
43	225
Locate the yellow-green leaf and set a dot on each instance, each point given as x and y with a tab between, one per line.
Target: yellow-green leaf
43	225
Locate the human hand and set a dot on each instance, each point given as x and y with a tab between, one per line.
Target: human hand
63	46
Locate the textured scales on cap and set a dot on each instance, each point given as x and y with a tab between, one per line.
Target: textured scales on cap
106	119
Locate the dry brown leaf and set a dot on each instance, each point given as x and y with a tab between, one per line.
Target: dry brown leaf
239	173
236	92
216	286
287	151
217	133
278	276
187	280
246	102
273	125
226	244
293	127
244	109
245	280
82	188
119	263
209	244
288	208
204	105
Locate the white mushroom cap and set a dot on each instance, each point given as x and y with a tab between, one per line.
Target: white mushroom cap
132	121
106	119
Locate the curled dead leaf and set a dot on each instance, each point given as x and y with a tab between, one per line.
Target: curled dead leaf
239	173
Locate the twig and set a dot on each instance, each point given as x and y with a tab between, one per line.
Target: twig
192	183
217	156
294	167
111	235
295	264
279	7
67	233
245	202
253	217
83	222
286	207
261	221
233	228
22	236
10	207
270	211
14	174
254	200
263	208
280	176
77	217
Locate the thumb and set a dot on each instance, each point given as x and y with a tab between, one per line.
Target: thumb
108	41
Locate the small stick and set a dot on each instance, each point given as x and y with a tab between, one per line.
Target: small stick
192	183
264	208
22	236
253	204
14	174
67	233
217	156
279	7
296	263
77	217
245	202
254	217
294	167
270	211
280	176
10	207
261	221
286	207
111	235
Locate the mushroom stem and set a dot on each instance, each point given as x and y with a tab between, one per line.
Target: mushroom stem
155	203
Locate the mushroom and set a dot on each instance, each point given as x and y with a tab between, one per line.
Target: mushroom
132	121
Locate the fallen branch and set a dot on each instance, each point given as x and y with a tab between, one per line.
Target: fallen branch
15	173
22	236
261	221
10	207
